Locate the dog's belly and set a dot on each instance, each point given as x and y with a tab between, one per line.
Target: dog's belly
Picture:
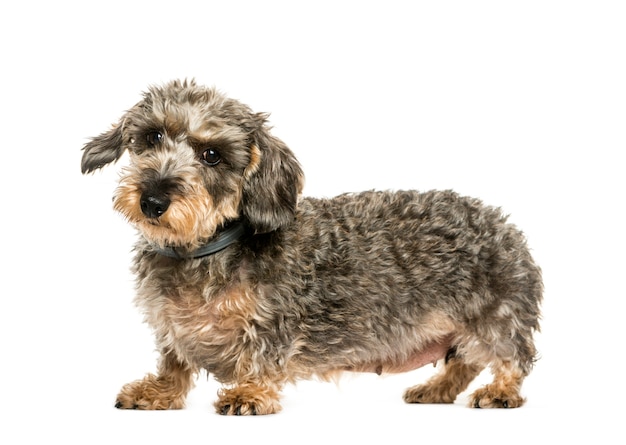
431	353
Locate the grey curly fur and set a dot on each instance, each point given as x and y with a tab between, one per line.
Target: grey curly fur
373	281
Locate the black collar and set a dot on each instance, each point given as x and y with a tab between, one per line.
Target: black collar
225	238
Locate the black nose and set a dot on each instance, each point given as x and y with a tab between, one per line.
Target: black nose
154	206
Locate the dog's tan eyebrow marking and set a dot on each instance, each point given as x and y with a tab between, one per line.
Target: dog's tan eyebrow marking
196	140
216	135
200	143
173	128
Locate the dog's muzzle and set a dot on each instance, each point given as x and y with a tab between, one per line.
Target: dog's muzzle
153	206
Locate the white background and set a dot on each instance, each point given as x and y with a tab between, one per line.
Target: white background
522	104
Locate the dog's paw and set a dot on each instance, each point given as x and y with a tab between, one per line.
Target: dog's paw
247	401
488	397
151	393
428	394
241	409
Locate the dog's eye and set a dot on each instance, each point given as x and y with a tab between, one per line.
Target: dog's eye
211	157
154	138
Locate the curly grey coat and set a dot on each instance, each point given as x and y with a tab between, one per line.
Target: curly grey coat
376	281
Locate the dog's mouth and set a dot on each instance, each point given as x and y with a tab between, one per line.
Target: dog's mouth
154	225
161	233
175	221
186	231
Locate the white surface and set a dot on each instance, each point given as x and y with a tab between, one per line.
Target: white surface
520	105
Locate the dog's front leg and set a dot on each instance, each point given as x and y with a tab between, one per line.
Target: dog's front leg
249	399
166	390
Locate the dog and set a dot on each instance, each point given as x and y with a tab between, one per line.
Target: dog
241	276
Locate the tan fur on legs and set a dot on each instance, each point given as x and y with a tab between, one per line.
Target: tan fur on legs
503	392
248	399
167	390
446	385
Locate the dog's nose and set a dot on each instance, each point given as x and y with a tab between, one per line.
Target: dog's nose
154	206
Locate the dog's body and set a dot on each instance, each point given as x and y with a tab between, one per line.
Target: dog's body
377	282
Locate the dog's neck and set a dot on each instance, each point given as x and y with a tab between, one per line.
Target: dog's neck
222	240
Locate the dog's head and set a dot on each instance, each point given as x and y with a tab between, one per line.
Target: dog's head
197	161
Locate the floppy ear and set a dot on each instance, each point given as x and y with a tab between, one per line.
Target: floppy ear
103	149
272	183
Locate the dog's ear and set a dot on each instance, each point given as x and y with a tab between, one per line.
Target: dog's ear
103	149
272	182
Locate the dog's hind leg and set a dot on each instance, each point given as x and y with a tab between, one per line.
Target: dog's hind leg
453	378
167	390
509	372
504	391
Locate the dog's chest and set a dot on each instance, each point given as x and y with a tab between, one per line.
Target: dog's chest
201	325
